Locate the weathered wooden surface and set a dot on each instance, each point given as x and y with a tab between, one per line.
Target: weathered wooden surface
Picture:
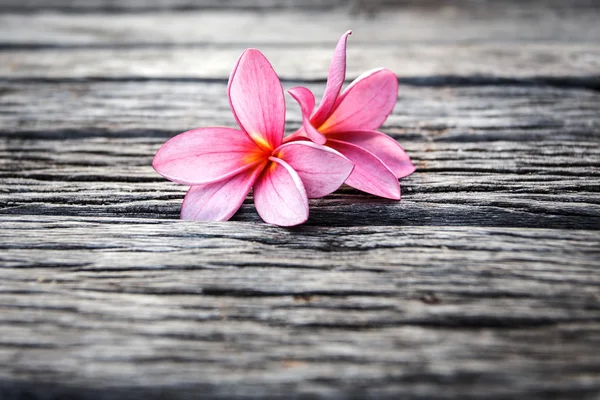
482	282
269	5
534	141
286	28
148	305
566	65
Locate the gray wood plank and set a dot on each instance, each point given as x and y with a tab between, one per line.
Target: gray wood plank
486	156
369	6
162	5
571	64
470	113
146	307
481	283
393	28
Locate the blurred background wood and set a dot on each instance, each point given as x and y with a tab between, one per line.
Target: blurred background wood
269	5
481	283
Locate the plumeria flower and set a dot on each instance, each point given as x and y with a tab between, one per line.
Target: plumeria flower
222	164
348	123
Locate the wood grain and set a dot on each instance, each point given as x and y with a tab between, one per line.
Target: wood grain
569	65
482	283
366	6
92	144
242	309
281	28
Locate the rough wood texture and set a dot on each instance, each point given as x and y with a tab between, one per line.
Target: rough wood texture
534	141
149	306
284	28
369	6
568	65
482	282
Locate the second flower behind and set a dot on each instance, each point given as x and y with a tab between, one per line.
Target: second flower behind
347	122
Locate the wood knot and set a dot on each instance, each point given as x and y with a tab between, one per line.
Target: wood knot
304	298
430	298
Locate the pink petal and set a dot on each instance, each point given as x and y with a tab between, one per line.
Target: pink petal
365	104
279	195
370	174
256	99
381	145
306	99
206	155
220	200
335	80
321	169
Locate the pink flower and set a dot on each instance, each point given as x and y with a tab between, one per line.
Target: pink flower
222	165
347	122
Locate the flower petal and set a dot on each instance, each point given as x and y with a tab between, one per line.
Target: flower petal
321	169
370	174
306	99
256	99
279	195
335	80
206	155
220	200
365	104
381	145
